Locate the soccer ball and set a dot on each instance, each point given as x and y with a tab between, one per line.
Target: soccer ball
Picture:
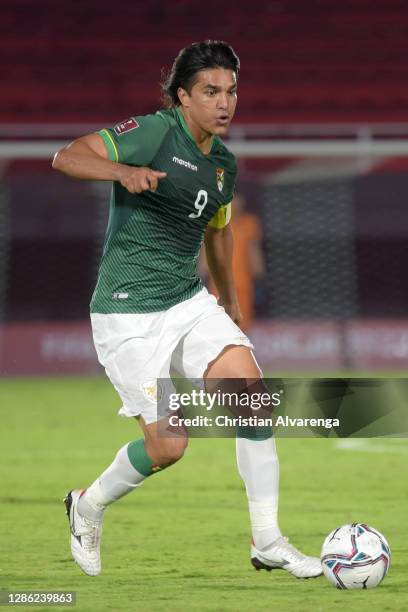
355	557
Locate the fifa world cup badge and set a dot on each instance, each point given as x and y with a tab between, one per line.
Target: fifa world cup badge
220	178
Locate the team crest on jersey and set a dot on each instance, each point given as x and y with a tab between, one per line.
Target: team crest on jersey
126	126
220	178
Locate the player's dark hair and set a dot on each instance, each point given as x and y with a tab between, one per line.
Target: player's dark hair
192	59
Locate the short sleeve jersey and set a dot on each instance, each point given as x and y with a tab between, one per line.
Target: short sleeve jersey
153	239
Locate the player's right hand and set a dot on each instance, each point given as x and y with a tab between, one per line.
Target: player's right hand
136	180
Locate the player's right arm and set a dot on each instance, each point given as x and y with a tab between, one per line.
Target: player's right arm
88	158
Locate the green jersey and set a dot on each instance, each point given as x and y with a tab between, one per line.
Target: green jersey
153	239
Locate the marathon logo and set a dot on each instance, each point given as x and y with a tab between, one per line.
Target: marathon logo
126	126
187	164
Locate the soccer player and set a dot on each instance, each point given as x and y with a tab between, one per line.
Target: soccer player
173	181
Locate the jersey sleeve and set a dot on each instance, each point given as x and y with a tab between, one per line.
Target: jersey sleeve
136	140
222	217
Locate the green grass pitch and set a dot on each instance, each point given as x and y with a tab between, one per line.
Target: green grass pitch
181	541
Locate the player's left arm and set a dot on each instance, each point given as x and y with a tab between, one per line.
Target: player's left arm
219	245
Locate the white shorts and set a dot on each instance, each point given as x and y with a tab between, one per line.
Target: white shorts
136	349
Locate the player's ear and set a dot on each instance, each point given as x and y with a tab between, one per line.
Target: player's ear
184	97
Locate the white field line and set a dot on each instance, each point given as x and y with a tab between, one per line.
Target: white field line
373	446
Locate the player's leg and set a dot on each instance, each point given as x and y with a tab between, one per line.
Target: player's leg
216	349
134	350
257	458
258	466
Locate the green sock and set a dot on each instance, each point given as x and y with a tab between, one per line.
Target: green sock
140	460
254	433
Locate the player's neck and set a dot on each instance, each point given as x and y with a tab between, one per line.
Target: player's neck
202	139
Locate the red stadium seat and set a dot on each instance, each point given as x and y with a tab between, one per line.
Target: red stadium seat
300	61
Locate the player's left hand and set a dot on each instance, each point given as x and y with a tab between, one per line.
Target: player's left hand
233	310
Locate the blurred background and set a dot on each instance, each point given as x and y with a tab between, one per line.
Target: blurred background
321	136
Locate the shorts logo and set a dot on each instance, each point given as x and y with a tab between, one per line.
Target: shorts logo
220	178
151	391
126	126
120	296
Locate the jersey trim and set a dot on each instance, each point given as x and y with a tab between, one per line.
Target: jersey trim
222	217
110	145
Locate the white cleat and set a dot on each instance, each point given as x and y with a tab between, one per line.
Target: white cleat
85	536
282	555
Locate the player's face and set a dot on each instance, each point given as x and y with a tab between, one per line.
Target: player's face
212	101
